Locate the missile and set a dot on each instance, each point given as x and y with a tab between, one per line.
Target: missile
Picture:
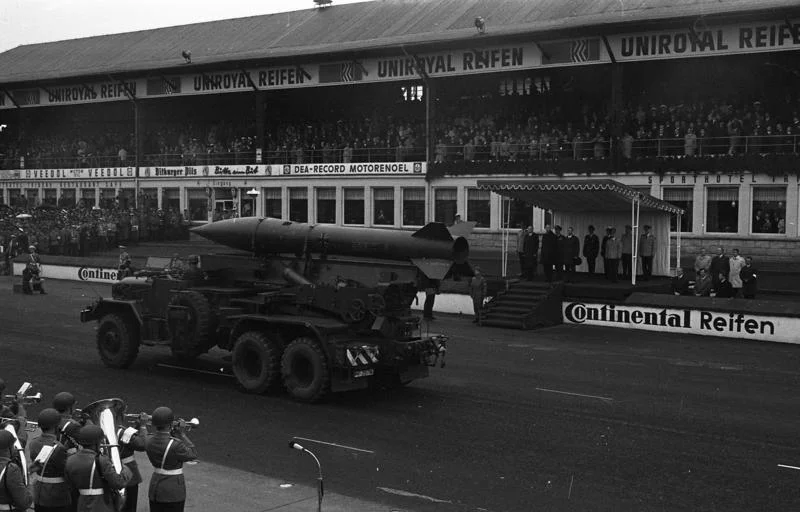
432	249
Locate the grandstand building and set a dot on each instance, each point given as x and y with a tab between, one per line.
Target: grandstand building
388	113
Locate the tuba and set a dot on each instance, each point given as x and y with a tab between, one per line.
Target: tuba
105	413
11	424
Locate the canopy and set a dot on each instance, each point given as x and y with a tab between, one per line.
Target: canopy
603	202
578	196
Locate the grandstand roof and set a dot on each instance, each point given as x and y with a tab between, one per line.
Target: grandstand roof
375	25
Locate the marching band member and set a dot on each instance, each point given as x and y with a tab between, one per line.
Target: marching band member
14	494
64	403
167	454
132	440
51	493
93	474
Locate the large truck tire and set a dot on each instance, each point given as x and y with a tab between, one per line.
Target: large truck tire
256	362
117	341
305	370
195	340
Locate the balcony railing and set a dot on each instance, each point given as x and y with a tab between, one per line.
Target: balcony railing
496	152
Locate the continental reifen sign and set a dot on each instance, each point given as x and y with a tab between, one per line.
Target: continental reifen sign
74	273
686	321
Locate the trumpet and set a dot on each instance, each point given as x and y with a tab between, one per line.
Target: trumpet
30	426
179	424
22	396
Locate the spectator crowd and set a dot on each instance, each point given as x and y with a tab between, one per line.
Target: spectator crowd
81	231
498	129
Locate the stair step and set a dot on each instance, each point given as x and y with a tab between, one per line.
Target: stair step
503	308
520	302
505	315
510	324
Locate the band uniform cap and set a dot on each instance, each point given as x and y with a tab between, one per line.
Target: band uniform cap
122	247
6	439
90	434
48	418
32	247
162	417
63	401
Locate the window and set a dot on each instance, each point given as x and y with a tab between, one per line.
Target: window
50	196
413	206
88	197
32	195
14	197
273	206
478	207
769	210
516	213
326	205
444	205
67	198
198	203
298	204
682	198
722	210
354	206
383	206
171	198
148	198
107	197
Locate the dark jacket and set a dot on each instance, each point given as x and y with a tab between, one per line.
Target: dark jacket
530	245
680	285
549	248
97	496
12	486
724	289
168	488
720	265
603	246
749	277
591	246
569	249
50	488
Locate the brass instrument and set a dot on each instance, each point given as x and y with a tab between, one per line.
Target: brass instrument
104	413
180	423
22	396
10	425
30	426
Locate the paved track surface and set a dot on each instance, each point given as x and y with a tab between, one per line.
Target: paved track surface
566	418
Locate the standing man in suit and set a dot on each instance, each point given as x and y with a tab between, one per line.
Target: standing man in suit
591	248
530	250
613	254
549	252
720	264
647	250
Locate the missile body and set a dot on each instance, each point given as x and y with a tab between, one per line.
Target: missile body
430	246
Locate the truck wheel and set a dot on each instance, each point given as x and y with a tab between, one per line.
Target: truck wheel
256	362
305	370
191	340
117	341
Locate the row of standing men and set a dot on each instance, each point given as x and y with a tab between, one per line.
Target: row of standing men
560	253
70	472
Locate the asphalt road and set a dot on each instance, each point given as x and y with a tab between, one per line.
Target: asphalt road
566	418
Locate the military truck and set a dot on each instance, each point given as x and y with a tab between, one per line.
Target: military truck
311	323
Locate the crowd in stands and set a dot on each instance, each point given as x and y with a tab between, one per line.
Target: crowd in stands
81	231
510	129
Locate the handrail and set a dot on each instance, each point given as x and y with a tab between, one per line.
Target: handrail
490	152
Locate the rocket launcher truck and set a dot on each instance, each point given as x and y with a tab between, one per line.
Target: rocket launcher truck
312	308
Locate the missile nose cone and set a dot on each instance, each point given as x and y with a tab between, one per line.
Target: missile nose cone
235	233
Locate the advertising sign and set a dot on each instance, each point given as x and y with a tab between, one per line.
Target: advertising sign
685	321
74	273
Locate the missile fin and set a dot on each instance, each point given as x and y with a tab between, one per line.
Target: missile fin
434	231
432	268
462	229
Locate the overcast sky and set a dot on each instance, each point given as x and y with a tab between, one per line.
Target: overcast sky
40	21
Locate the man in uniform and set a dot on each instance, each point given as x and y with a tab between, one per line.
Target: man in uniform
51	493
132	440
14	494
93	475
124	269
591	248
167	454
64	404
31	275
192	272
647	250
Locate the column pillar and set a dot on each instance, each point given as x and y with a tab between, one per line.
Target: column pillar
261	105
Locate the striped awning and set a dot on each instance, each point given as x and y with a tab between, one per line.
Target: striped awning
578	196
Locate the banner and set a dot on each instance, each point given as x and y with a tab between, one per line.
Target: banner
383	168
702	40
218	171
73	273
684	321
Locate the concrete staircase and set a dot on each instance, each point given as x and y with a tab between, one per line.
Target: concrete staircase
525	305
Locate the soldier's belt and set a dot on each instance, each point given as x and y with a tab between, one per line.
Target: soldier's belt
168	472
128	460
49	479
90	492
